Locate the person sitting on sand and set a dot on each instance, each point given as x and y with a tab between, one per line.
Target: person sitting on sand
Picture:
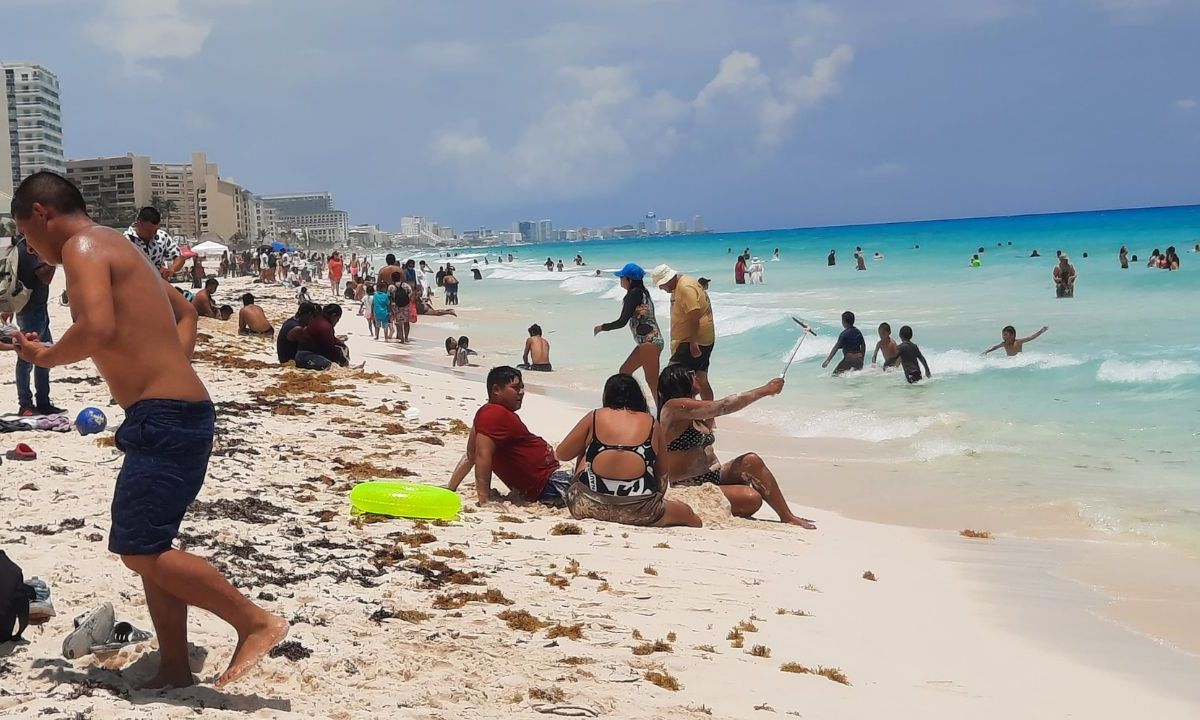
203	300
851	343
887	346
618	479
319	347
141	335
287	343
537	351
425	307
252	320
225	312
500	443
687	439
1010	343
462	352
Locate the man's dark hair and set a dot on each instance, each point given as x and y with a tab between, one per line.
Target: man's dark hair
535	330
848	318
391	259
247	299
332	309
396	277
150	215
905	333
885	327
1009	329
501	376
211	284
226	309
622	392
50	189
307	309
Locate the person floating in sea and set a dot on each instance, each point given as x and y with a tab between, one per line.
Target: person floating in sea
851	343
637	312
141	335
685	431
1010	343
878	255
886	345
1034	254
537	351
909	354
1123	256
1064	278
975	261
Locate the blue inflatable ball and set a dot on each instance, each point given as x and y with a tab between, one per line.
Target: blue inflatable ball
90	420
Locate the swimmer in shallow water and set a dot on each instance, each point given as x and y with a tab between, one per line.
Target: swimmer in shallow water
1011	344
887	346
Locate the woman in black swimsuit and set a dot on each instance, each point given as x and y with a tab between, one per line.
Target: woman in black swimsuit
617	475
687	438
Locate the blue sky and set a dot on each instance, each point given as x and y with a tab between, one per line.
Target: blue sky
754	113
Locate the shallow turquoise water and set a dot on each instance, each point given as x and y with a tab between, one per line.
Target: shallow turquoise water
1099	416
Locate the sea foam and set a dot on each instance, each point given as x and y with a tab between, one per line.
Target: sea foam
1126	371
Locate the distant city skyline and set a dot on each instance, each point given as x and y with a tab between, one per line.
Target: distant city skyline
756	115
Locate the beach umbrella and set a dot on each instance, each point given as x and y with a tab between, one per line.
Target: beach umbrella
278	247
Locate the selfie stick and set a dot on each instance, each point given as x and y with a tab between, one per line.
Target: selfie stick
807	331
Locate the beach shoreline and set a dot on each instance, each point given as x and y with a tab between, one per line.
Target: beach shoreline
297	441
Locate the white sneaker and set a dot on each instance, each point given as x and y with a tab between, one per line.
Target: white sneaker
91	629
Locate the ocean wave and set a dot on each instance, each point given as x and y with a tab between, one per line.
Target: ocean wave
524	272
962	362
737	319
1127	371
856	425
579	284
927	450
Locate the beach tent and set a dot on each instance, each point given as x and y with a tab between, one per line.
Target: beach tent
278	247
210	247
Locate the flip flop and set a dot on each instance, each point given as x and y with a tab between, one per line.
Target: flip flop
122	634
91	629
21	452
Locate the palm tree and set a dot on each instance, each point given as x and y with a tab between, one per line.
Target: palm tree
103	210
165	207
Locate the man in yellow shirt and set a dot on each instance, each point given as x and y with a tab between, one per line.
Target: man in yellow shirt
692	332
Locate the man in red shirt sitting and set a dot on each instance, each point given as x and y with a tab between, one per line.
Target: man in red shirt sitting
500	443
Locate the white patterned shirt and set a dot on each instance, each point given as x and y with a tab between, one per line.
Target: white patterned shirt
162	250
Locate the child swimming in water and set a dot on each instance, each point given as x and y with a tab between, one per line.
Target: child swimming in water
1010	343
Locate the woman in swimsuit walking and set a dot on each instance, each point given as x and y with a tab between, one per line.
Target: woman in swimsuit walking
618	477
687	439
637	311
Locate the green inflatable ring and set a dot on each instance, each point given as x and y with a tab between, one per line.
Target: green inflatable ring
408	500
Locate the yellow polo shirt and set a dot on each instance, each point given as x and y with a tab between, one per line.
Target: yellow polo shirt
688	297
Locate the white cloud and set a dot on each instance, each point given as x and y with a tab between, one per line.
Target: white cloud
1186	103
142	31
599	128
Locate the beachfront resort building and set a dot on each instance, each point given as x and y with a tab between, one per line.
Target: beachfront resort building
31	122
194	199
311	217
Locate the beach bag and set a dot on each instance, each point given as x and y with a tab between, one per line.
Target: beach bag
14	600
13	295
400	297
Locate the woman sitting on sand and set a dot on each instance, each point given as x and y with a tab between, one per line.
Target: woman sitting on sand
617	478
687	440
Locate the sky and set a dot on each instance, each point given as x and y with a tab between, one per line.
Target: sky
752	113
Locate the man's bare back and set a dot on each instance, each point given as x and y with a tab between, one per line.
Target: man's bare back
251	318
539	350
203	304
125	319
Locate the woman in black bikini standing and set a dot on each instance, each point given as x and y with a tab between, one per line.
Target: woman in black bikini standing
618	477
637	311
687	441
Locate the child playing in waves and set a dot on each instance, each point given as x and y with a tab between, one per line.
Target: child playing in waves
909	355
887	346
1011	344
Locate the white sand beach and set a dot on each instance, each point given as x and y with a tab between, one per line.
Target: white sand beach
513	611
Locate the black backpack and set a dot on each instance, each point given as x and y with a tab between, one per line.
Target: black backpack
14	600
400	297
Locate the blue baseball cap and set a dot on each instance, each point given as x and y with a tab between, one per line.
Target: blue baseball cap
633	271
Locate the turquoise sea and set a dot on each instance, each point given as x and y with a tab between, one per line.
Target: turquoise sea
1099	418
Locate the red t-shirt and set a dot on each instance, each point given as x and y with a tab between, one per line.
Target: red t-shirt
523	461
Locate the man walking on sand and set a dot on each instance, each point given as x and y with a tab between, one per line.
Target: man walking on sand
140	333
692	332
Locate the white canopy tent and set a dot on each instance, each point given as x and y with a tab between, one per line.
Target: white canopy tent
209	248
